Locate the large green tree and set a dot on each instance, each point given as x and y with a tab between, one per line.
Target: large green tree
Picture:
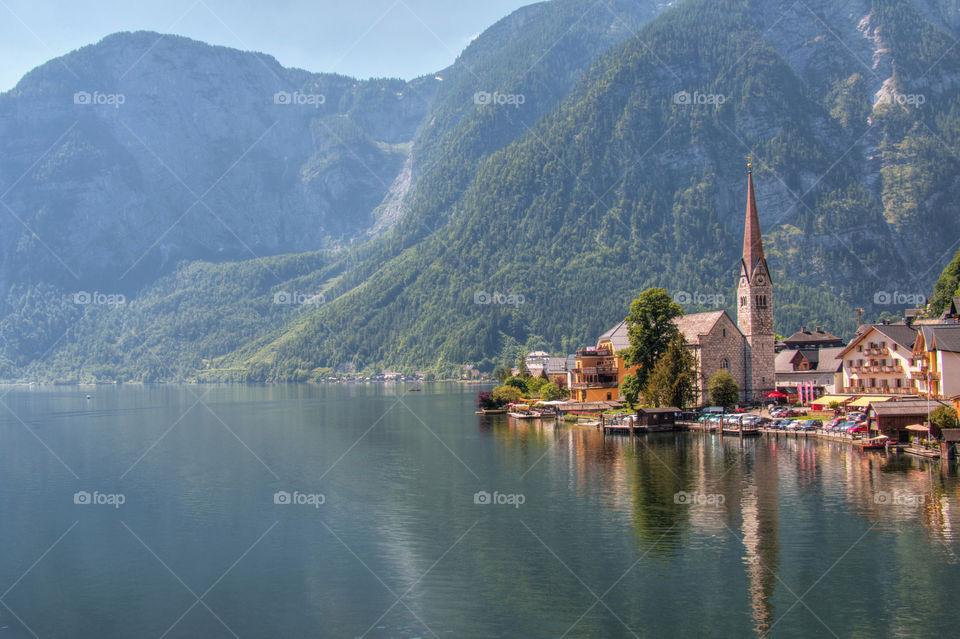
673	380
630	389
723	389
651	328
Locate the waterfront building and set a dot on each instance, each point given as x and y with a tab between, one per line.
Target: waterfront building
878	360
935	367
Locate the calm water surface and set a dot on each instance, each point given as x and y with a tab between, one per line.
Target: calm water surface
780	537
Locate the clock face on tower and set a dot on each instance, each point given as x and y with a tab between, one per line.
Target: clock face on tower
743	281
760	280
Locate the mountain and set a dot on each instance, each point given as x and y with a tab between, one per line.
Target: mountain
157	150
575	154
125	157
636	179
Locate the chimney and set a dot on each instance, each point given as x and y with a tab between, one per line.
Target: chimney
819	329
803	329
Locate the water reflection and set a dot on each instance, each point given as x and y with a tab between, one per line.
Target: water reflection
908	502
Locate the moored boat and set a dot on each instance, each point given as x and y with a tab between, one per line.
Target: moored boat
874	443
748	431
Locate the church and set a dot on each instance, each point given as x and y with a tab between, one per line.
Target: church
744	348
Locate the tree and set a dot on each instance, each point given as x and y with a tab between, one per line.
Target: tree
501	373
723	389
517	382
550	392
522	369
944	417
650	327
630	389
673	380
505	395
534	384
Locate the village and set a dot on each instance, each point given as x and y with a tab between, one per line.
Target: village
894	385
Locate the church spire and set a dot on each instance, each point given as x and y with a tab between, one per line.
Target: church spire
752	245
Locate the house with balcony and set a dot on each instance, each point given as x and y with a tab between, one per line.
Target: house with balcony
596	375
935	368
878	361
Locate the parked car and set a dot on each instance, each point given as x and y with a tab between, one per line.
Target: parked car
812	424
832	424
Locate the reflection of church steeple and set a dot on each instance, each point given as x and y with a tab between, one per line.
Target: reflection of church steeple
760	530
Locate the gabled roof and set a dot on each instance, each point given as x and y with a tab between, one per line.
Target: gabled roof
691	327
952	309
904	407
901	334
694	325
804	336
821	359
941	337
556	365
617	336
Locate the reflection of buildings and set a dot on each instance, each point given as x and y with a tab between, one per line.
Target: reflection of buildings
761	529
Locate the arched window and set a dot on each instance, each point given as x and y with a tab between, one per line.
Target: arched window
724	363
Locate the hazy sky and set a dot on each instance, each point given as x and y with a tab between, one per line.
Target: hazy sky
362	38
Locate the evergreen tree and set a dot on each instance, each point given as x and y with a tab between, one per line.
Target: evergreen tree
672	382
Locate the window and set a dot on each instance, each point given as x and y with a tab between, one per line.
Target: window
743	301
860	348
724	332
724	363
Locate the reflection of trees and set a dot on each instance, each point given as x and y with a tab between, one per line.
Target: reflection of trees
656	474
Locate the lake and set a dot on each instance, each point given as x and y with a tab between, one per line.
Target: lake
372	511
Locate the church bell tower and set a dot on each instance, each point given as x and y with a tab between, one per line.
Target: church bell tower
755	305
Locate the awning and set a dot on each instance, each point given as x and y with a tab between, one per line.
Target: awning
865	401
826	400
919	428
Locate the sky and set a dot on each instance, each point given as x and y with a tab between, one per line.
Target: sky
360	38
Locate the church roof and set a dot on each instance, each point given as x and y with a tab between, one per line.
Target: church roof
752	244
696	324
691	327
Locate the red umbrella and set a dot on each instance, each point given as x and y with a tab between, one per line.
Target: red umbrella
776	394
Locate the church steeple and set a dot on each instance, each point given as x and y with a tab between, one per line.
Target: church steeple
755	304
752	244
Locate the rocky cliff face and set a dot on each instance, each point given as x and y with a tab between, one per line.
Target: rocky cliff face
124	157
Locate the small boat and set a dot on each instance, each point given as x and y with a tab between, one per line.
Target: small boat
524	414
492	411
875	443
735	430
